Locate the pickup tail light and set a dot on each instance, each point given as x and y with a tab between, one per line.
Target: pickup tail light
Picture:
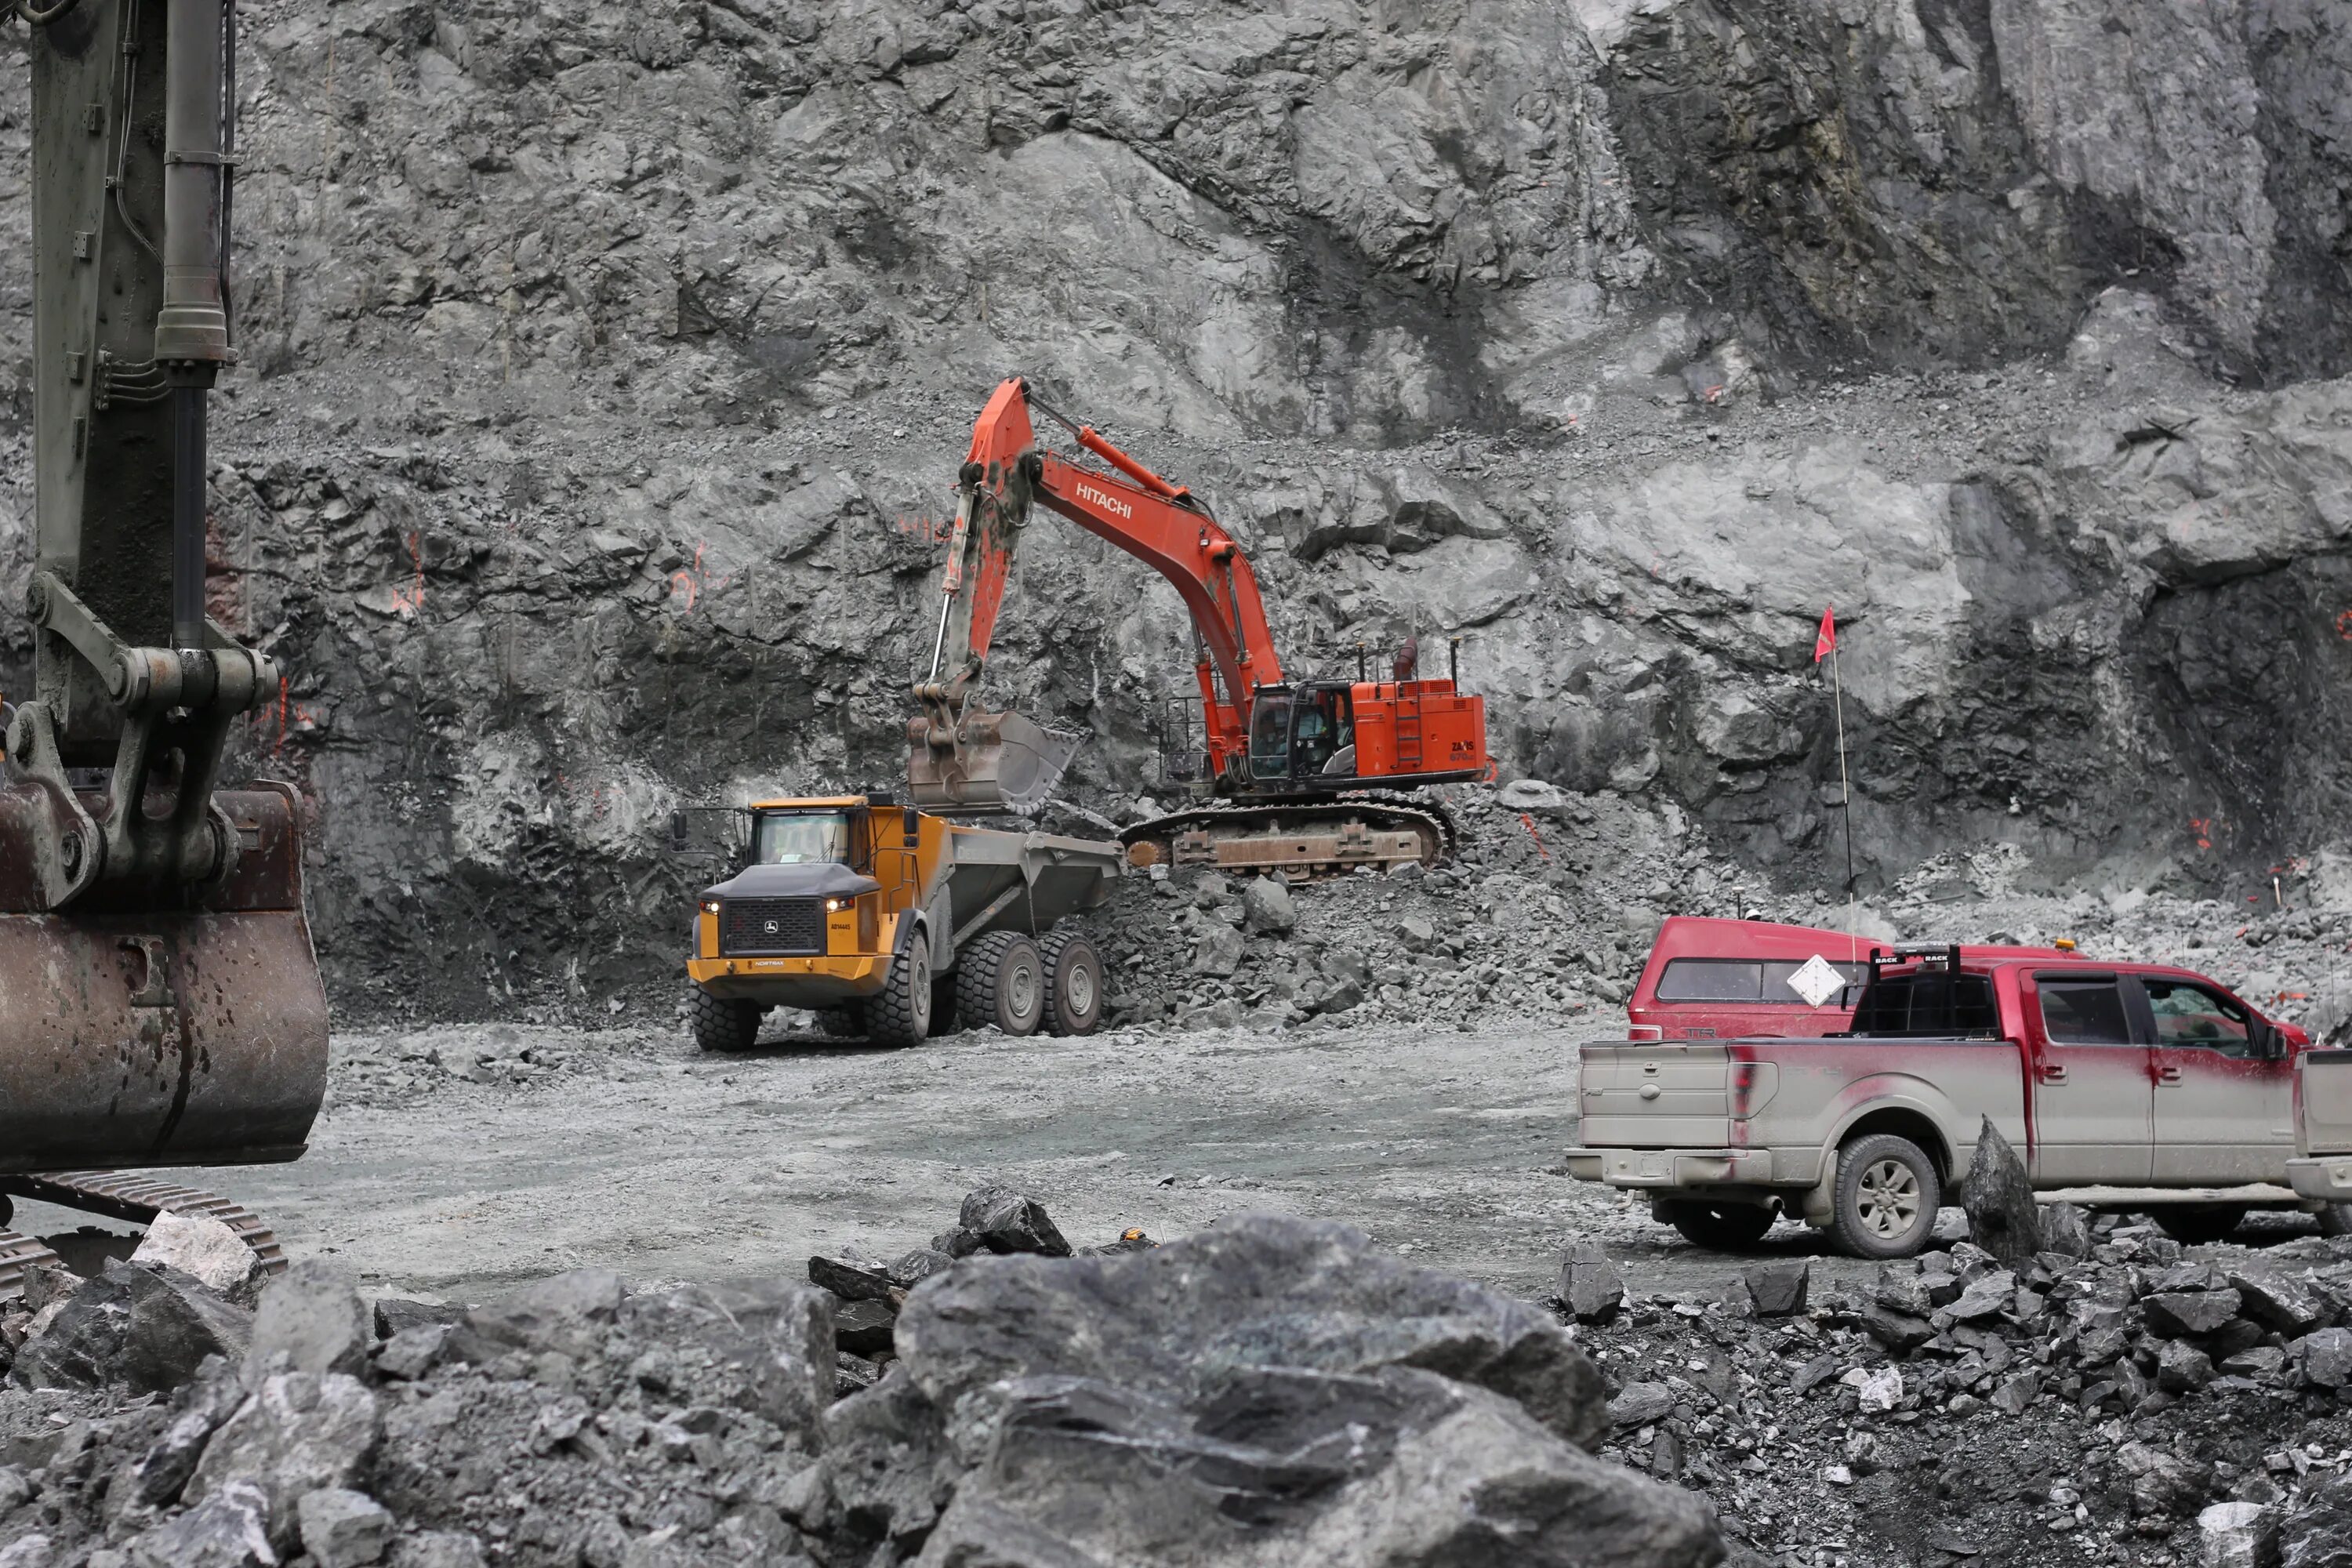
1753	1085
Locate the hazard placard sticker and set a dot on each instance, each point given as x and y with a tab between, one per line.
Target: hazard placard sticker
1816	982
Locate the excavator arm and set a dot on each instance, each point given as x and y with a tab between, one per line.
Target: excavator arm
1159	523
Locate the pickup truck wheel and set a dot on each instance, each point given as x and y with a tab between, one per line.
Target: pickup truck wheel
2194	1225
1074	984
901	1013
1887	1195
721	1025
1000	980
1719	1228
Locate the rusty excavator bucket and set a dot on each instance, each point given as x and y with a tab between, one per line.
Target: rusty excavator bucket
985	762
160	1002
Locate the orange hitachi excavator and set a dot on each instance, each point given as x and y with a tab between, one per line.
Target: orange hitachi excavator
1302	769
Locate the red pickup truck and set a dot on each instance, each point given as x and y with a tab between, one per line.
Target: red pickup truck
1711	979
2115	1075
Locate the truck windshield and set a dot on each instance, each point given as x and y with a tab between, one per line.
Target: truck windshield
795	838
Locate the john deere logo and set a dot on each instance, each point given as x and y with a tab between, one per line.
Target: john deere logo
773	928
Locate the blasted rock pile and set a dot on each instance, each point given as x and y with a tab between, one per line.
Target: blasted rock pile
1274	1391
1960	1405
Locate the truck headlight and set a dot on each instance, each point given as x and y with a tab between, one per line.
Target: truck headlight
835	906
710	906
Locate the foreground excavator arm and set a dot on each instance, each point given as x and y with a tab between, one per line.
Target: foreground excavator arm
1156	523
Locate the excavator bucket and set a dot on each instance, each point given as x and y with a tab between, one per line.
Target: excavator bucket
190	1031
988	762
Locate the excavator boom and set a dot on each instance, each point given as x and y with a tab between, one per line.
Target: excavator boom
1264	737
160	1000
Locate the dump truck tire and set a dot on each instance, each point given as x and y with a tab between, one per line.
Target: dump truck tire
723	1026
2194	1225
945	1020
1074	984
1884	1201
901	1013
846	1022
1719	1228
1000	980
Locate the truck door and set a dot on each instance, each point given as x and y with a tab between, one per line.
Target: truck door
2225	1113
2094	1105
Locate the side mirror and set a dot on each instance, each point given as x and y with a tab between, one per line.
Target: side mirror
2274	1043
910	827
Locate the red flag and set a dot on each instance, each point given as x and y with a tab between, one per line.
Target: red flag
1826	643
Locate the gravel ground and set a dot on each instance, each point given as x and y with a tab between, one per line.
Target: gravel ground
639	1153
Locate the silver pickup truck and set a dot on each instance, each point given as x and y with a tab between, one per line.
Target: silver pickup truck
2134	1077
2322	1166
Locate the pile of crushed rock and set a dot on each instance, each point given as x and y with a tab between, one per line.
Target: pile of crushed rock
1273	1390
2082	1386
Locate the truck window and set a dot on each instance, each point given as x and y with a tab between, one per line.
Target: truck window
1711	980
796	838
1747	980
1927	1003
2190	1014
2084	1011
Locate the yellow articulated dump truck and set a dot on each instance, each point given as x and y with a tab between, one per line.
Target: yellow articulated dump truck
894	925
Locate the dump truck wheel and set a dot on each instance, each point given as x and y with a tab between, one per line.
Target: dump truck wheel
1719	1228
1000	980
1074	984
944	1018
2194	1225
846	1022
1885	1199
901	1013
723	1025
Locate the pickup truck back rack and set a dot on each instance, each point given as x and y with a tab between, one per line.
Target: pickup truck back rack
1935	1001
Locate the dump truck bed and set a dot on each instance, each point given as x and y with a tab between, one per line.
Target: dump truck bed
1005	880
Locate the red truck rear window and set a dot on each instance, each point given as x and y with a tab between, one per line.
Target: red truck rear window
1748	980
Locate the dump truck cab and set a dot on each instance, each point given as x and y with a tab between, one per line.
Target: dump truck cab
895	923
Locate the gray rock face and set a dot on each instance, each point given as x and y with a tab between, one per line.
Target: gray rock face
569	1314
2065	1229
2175	1313
2003	1217
2318	1532
577	470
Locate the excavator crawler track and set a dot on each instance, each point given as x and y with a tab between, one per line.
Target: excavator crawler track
1319	837
117	1194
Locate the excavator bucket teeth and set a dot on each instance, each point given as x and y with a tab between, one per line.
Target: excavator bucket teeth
144	1037
997	761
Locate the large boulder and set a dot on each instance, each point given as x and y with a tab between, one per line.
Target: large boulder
198	1246
146	1329
568	1313
310	1320
2003	1218
296	1433
1270	1391
763	1346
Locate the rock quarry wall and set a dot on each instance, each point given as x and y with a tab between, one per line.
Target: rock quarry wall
607	367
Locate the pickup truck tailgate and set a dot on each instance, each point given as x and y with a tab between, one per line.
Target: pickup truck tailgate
2321	1167
1655	1095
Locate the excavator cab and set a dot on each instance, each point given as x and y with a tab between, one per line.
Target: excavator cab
1303	735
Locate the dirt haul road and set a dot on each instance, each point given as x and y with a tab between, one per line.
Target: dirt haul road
636	1151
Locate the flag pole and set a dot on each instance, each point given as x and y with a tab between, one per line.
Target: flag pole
1845	790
